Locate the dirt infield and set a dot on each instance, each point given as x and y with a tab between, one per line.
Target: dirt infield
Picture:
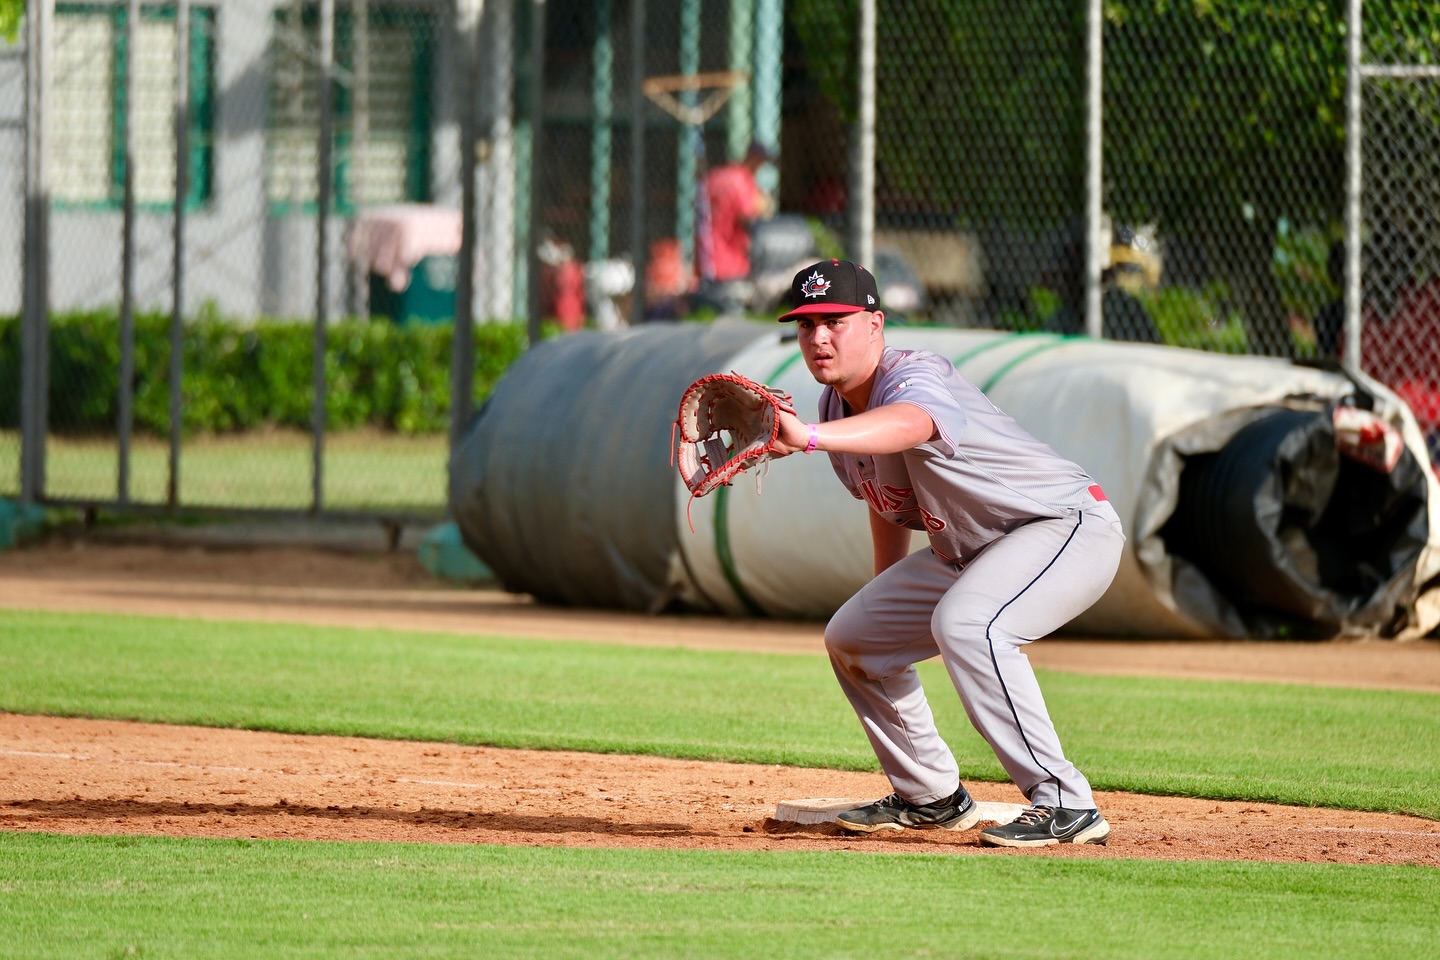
89	776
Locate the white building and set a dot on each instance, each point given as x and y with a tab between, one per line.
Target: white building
253	142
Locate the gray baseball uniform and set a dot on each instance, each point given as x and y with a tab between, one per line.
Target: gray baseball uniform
1022	541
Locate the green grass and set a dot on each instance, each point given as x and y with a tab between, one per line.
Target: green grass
65	897
1356	749
159	898
363	470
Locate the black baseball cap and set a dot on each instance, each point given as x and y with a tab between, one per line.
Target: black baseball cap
832	286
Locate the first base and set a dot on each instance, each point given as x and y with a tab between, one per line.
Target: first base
820	810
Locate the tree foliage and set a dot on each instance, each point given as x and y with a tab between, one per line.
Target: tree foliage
1205	101
1230	107
11	12
970	97
1223	119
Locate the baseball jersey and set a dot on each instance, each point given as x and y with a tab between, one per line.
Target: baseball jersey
982	475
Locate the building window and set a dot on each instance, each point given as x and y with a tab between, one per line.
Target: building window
88	108
381	125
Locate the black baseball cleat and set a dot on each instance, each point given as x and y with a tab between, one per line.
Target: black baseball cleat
955	812
1044	826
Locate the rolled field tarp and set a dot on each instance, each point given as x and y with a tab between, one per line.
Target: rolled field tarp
561	483
1243	519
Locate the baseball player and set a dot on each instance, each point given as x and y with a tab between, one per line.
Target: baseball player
1021	541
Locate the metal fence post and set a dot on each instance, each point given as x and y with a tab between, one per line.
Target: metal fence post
740	108
359	272
124	402
862	167
322	246
182	191
690	141
765	79
462	344
1353	132
639	251
35	328
602	127
537	123
1094	166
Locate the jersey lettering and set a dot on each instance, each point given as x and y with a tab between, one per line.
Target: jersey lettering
933	524
884	498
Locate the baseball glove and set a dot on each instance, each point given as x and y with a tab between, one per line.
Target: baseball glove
728	423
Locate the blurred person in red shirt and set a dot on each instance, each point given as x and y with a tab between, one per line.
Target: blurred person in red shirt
733	202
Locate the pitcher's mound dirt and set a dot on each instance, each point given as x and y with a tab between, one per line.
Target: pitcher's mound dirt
93	776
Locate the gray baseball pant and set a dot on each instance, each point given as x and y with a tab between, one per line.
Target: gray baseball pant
1025	585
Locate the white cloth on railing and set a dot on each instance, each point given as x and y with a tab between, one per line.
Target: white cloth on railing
389	241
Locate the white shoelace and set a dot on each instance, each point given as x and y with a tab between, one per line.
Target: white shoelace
1034	815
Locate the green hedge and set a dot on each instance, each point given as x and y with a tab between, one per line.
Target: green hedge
241	376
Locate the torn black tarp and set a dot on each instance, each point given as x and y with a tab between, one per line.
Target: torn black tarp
1283	532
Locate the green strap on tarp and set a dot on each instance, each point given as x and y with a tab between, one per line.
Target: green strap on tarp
723	554
722	522
1051	341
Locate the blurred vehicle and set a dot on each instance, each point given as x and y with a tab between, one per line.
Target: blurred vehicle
786	243
901	290
779	247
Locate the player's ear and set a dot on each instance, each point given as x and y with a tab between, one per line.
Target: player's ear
877	321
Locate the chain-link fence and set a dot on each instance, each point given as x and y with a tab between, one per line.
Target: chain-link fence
1399	289
1224	134
240	256
12	261
636	161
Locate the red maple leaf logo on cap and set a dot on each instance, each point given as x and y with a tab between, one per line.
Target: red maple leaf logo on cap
815	285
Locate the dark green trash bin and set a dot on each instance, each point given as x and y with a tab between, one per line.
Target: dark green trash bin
429	298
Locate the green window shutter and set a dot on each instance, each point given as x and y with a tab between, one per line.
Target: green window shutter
202	106
392	164
89	96
392	151
294	112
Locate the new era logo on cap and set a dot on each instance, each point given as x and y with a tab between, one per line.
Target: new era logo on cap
832	286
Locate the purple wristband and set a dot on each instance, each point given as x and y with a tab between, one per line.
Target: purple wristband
814	438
